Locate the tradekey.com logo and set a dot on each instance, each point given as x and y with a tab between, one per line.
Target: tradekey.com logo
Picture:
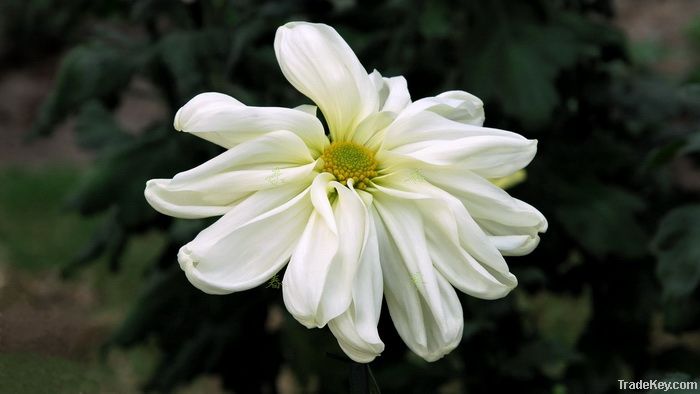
654	384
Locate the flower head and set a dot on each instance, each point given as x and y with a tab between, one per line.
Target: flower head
396	202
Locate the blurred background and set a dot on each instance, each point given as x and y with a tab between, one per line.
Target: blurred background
92	299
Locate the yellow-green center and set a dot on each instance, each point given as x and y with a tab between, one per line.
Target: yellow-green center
347	160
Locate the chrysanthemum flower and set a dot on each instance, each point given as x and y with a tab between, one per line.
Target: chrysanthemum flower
396	201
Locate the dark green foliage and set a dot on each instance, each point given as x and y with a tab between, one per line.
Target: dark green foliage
678	250
621	251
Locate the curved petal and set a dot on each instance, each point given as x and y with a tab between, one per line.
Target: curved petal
317	285
490	157
512	224
455	105
422	304
225	121
393	98
434	139
211	189
356	329
249	244
423	127
487	156
449	256
393	92
370	131
484	200
515	245
321	65
458	246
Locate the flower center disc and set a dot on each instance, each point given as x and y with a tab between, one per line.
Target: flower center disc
347	160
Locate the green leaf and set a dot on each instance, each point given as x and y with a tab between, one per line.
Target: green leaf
92	72
603	220
559	318
432	20
677	248
119	177
190	57
518	69
96	128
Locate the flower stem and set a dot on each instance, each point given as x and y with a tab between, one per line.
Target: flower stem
361	379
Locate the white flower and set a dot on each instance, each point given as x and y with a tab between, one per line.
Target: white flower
396	202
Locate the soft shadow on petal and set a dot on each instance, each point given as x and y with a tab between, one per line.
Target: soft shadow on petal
458	246
356	329
423	305
487	156
213	188
369	132
430	138
393	98
393	92
320	64
484	200
511	224
317	285
250	243
227	122
455	105
414	128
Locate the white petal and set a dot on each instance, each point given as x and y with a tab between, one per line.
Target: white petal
453	261
393	98
488	156
321	65
423	306
393	92
227	122
426	126
249	244
434	139
512	225
309	109
369	132
210	101
484	200
459	247
455	105
317	285
211	189
356	328
515	245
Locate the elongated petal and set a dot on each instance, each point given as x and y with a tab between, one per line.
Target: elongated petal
317	285
423	306
458	246
512	225
225	121
433	139
321	65
484	200
451	258
249	244
211	189
356	329
490	157
421	127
